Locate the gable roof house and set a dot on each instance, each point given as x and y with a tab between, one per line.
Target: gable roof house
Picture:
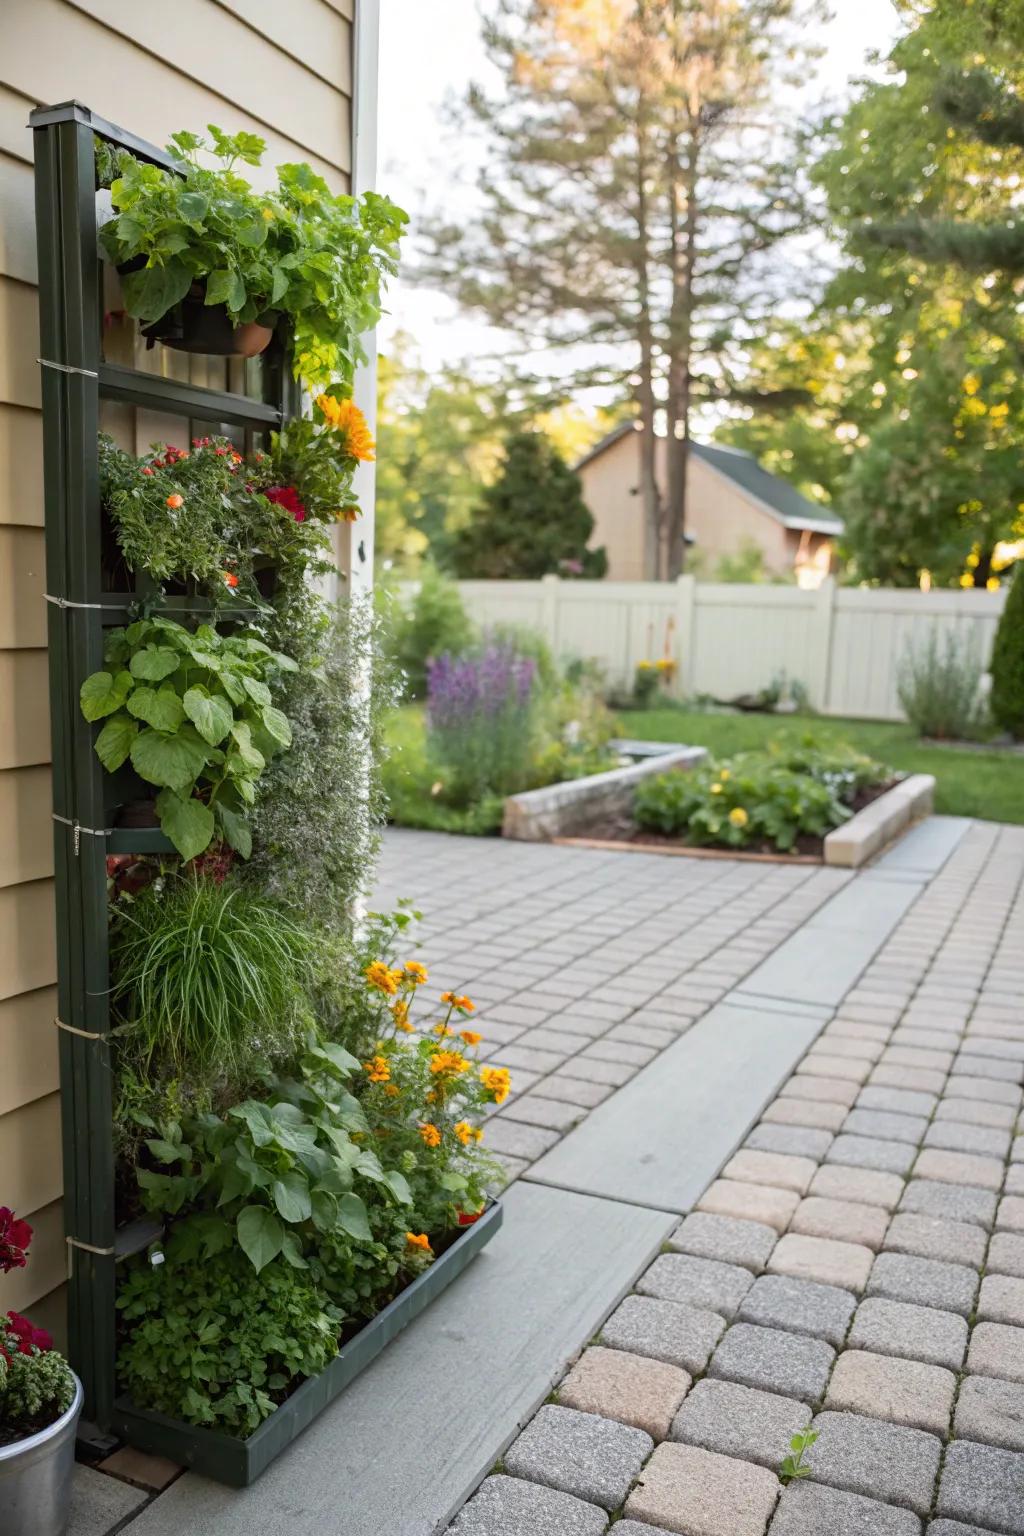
732	503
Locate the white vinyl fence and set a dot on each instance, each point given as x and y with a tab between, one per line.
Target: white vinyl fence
842	643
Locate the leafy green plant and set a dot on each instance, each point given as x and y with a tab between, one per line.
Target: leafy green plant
300	250
209	1340
1007	700
938	685
757	804
210	982
794	1466
432	622
194	713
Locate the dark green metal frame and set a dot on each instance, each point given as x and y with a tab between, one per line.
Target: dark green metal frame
75	379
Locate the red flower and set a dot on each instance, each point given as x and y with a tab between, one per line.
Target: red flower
29	1337
288	497
467	1218
15	1237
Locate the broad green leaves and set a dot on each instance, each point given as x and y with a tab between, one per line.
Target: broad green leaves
193	712
260	1235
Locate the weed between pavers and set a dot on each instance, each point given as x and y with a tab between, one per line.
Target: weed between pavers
794	1466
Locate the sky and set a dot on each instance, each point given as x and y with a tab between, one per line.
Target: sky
430	51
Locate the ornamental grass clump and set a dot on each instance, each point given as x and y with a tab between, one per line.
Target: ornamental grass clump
211	982
482	713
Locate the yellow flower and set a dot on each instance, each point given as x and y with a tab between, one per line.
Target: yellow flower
738	816
467	1133
392	1090
646	666
463	1004
268	214
716	789
416	974
347	514
497	1081
400	1014
448	1064
377	1069
724	776
443	1030
430	1135
418	1240
470	1037
382	978
346	417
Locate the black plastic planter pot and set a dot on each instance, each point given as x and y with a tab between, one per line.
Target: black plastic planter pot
195	326
238	1462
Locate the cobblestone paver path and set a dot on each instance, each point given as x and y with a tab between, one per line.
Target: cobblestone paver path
584	966
858	1266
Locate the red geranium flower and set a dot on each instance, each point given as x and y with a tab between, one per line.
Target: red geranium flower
15	1237
288	497
29	1337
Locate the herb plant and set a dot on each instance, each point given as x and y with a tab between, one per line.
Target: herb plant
193	712
939	686
318	257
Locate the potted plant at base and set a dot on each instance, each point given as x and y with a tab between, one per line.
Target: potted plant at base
40	1401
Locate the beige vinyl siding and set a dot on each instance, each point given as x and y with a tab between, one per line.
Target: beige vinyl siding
283	72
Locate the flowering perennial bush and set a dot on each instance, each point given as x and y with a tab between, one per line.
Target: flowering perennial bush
482	719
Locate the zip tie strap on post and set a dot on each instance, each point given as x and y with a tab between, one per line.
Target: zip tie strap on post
73	1243
86	373
84	1034
78	829
64	602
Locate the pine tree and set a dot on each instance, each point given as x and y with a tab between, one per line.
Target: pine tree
1007	701
531	522
635	177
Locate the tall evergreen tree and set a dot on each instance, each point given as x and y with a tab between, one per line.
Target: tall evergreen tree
634	181
531	522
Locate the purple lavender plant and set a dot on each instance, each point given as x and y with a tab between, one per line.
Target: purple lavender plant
481	715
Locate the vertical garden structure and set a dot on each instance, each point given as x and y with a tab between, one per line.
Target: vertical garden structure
75	379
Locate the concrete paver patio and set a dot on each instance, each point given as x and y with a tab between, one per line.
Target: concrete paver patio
824	1071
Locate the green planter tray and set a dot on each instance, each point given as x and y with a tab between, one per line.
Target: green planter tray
238	1462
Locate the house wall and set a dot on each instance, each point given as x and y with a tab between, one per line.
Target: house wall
284	72
721	517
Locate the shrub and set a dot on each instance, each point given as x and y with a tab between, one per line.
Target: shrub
482	717
432	622
937	684
210	981
1007	699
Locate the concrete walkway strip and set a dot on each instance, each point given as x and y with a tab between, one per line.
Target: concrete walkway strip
823	959
660	1140
398	1453
926	847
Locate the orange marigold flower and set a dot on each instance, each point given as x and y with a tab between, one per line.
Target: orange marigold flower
430	1135
448	1064
443	1030
470	1036
467	1133
377	1069
497	1081
454	1000
380	976
346	417
415	973
175	501
347	514
230	579
400	1014
418	1240
392	1090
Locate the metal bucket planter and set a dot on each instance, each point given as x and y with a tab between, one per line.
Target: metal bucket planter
238	1462
35	1477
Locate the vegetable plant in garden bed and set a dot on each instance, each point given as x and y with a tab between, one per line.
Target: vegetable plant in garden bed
784	800
40	1401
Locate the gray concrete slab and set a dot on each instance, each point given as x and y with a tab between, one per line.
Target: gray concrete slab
926	847
400	1450
823	959
693	1105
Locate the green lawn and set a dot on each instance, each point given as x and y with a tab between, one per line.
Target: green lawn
988	784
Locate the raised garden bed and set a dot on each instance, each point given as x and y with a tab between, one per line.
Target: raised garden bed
561	810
